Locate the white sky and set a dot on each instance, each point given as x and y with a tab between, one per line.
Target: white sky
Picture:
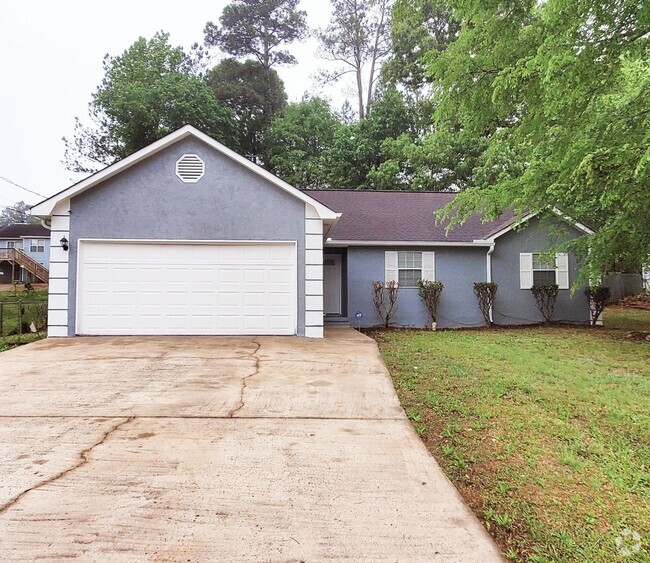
51	63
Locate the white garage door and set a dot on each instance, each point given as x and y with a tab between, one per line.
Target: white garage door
142	288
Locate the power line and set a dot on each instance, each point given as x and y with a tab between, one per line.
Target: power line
21	187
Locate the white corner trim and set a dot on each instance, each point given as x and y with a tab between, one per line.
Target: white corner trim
44	209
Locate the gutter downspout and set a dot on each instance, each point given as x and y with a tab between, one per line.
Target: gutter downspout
489	274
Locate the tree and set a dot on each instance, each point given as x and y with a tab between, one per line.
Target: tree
418	27
358	40
561	92
147	92
249	90
258	28
17	213
299	143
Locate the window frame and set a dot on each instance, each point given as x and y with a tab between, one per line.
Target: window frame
537	257
37	245
409	268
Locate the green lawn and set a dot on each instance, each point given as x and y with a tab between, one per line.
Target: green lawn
545	431
34	308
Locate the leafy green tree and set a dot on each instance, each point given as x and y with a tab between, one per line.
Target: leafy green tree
299	143
358	148
249	90
147	92
418	27
17	213
258	28
357	39
561	92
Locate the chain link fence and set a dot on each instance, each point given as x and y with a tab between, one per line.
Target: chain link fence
22	317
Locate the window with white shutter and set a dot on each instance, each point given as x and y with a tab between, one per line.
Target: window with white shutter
409	267
536	268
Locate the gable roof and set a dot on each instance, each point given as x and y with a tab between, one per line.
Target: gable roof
18	230
45	208
403	216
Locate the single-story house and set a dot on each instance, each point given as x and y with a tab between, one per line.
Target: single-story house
187	237
24	252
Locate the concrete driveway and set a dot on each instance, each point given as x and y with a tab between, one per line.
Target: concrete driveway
218	449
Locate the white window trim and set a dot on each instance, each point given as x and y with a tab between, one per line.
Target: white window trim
526	270
391	263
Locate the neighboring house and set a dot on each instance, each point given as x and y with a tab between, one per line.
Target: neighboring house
187	237
24	253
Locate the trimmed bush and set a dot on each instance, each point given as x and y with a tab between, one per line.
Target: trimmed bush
384	298
598	296
430	292
485	293
545	297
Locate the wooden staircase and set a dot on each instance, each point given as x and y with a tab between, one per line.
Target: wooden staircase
19	258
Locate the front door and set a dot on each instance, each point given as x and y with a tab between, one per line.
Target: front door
332	284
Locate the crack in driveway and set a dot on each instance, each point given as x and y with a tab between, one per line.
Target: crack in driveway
83	459
244	381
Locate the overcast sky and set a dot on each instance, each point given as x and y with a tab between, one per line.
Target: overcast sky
51	63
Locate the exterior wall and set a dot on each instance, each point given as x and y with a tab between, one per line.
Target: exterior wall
457	268
3	242
517	306
149	201
42	257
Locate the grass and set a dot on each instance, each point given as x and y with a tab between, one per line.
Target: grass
545	431
32	313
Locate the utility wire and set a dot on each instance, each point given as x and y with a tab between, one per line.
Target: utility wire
21	187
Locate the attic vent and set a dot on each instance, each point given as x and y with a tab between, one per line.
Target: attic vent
190	168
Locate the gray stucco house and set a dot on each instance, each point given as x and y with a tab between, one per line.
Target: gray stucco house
187	237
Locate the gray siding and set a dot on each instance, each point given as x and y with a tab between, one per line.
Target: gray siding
458	268
517	306
148	201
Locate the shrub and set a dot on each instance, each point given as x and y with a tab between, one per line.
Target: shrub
381	291
485	293
598	296
545	297
430	292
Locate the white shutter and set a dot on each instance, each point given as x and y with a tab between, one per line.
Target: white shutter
562	262
428	266
525	270
390	263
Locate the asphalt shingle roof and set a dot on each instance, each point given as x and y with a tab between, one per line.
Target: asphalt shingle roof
400	216
17	230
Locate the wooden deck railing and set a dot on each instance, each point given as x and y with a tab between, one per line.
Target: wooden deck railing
19	257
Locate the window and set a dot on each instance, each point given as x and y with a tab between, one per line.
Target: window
407	268
535	268
11	244
544	272
37	245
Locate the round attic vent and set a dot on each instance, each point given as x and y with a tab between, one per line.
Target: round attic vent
190	168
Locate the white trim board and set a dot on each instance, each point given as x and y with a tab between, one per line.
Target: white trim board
46	207
405	243
586	230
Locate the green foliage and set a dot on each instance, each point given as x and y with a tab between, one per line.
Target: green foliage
299	143
147	92
561	92
430	292
598	296
545	296
254	94
17	213
485	293
418	26
257	28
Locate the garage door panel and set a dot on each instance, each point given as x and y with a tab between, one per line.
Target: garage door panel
138	288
